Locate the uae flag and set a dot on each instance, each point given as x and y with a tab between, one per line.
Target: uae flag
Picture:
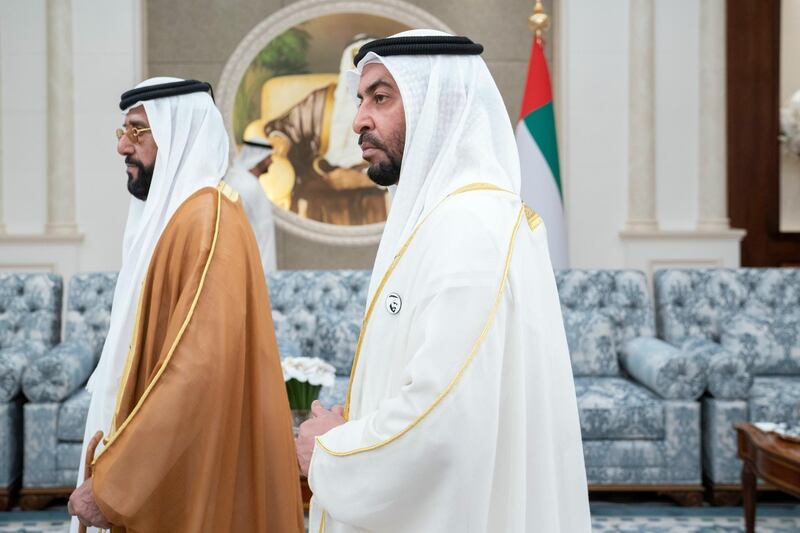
538	155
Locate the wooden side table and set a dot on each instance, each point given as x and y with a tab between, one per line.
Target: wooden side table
765	456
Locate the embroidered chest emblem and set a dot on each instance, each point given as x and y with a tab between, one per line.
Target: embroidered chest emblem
394	303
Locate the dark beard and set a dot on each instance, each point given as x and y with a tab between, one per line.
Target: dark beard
140	187
386	173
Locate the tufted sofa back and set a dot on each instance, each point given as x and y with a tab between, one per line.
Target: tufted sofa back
30	309
318	313
752	312
602	310
89	308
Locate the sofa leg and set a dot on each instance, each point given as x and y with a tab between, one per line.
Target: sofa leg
725	498
36	499
723	494
8	495
687	498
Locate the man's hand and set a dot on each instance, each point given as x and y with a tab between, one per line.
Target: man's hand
82	505
321	422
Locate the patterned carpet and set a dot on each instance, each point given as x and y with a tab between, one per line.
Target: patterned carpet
606	518
643	518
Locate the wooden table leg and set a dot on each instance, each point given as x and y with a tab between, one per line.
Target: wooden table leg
749	495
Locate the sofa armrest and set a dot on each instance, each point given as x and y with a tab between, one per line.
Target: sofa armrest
729	376
664	369
56	375
13	360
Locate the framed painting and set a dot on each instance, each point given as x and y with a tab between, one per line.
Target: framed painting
285	84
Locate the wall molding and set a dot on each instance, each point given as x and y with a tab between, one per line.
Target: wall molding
40	238
693	235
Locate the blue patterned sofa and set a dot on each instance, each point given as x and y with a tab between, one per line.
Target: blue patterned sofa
318	313
30	323
640	420
636	394
55	415
746	323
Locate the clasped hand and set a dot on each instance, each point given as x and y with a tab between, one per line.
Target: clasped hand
322	420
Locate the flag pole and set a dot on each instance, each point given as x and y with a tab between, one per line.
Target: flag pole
539	22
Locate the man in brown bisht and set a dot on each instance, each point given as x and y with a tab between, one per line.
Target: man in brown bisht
189	390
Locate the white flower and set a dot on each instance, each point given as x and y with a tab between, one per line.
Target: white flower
311	370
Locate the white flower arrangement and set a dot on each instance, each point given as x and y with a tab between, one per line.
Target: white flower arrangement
790	125
304	377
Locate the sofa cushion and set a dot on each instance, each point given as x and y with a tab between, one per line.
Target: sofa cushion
335	394
591	344
625	453
337	337
785	328
755	339
72	417
88	313
667	371
616	408
55	376
295	333
699	302
30	308
13	361
728	374
620	295
775	399
68	455
319	313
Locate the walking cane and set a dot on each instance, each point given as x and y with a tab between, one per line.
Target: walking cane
87	465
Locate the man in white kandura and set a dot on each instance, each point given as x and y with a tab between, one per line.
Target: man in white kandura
254	159
461	413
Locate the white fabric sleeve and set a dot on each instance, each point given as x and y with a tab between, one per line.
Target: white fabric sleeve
387	467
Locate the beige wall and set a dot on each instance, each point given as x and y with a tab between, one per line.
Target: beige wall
195	38
106	60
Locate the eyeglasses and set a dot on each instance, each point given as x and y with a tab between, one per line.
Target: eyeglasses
132	133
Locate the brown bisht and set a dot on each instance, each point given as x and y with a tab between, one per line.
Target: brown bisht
202	436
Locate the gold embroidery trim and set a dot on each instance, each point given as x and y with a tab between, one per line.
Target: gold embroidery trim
178	337
229	192
322	521
475	347
533	218
467	188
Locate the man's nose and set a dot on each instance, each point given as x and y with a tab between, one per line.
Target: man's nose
124	146
363	121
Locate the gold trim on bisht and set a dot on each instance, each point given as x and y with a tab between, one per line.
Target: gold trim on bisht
229	192
115	435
